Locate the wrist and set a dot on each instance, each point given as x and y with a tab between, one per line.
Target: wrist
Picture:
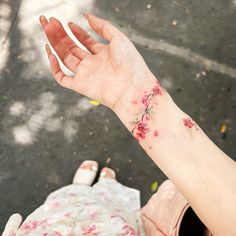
149	104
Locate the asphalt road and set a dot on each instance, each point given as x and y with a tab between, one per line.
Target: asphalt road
46	131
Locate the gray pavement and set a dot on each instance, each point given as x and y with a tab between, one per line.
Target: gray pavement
46	131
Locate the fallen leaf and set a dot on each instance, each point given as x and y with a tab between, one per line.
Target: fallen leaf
154	187
94	102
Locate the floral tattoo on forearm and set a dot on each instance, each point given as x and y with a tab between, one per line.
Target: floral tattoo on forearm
141	128
189	123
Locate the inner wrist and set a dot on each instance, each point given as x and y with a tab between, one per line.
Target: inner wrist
140	103
134	95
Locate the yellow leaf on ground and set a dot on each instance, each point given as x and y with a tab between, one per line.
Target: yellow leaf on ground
154	187
94	103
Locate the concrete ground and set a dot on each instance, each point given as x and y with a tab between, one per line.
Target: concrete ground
46	131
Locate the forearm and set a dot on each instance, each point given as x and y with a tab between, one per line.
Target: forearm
183	152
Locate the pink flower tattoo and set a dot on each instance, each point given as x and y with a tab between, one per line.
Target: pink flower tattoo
141	129
157	89
189	123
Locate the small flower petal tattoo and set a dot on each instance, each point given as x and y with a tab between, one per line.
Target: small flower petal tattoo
189	123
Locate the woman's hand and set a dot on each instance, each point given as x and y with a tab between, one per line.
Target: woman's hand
106	72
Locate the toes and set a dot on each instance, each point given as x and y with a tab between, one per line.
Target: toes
89	165
108	173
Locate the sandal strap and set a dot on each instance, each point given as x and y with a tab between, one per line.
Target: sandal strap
84	177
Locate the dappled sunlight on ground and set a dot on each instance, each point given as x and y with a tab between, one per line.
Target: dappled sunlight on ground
26	119
23	135
41	114
17	108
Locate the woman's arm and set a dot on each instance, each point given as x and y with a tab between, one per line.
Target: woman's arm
116	75
202	172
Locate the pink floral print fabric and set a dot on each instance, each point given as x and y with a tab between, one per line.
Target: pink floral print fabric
107	208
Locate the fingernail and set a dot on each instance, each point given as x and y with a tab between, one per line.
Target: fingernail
103	173
41	18
70	23
52	19
94	168
86	16
47	48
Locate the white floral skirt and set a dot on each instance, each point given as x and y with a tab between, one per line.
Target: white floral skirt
106	208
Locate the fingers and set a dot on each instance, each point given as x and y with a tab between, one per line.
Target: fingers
87	40
57	73
71	45
69	53
102	27
43	20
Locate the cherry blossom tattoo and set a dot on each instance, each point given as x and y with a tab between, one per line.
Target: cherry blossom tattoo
140	128
189	123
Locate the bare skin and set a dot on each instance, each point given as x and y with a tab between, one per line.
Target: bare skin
108	173
116	75
105	172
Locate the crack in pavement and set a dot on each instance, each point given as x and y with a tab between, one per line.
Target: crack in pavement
185	53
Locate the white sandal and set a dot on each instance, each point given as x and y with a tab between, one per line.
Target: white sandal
86	176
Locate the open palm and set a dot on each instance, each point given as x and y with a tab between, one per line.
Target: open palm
106	71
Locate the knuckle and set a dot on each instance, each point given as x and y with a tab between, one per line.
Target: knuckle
96	47
89	41
105	28
65	55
